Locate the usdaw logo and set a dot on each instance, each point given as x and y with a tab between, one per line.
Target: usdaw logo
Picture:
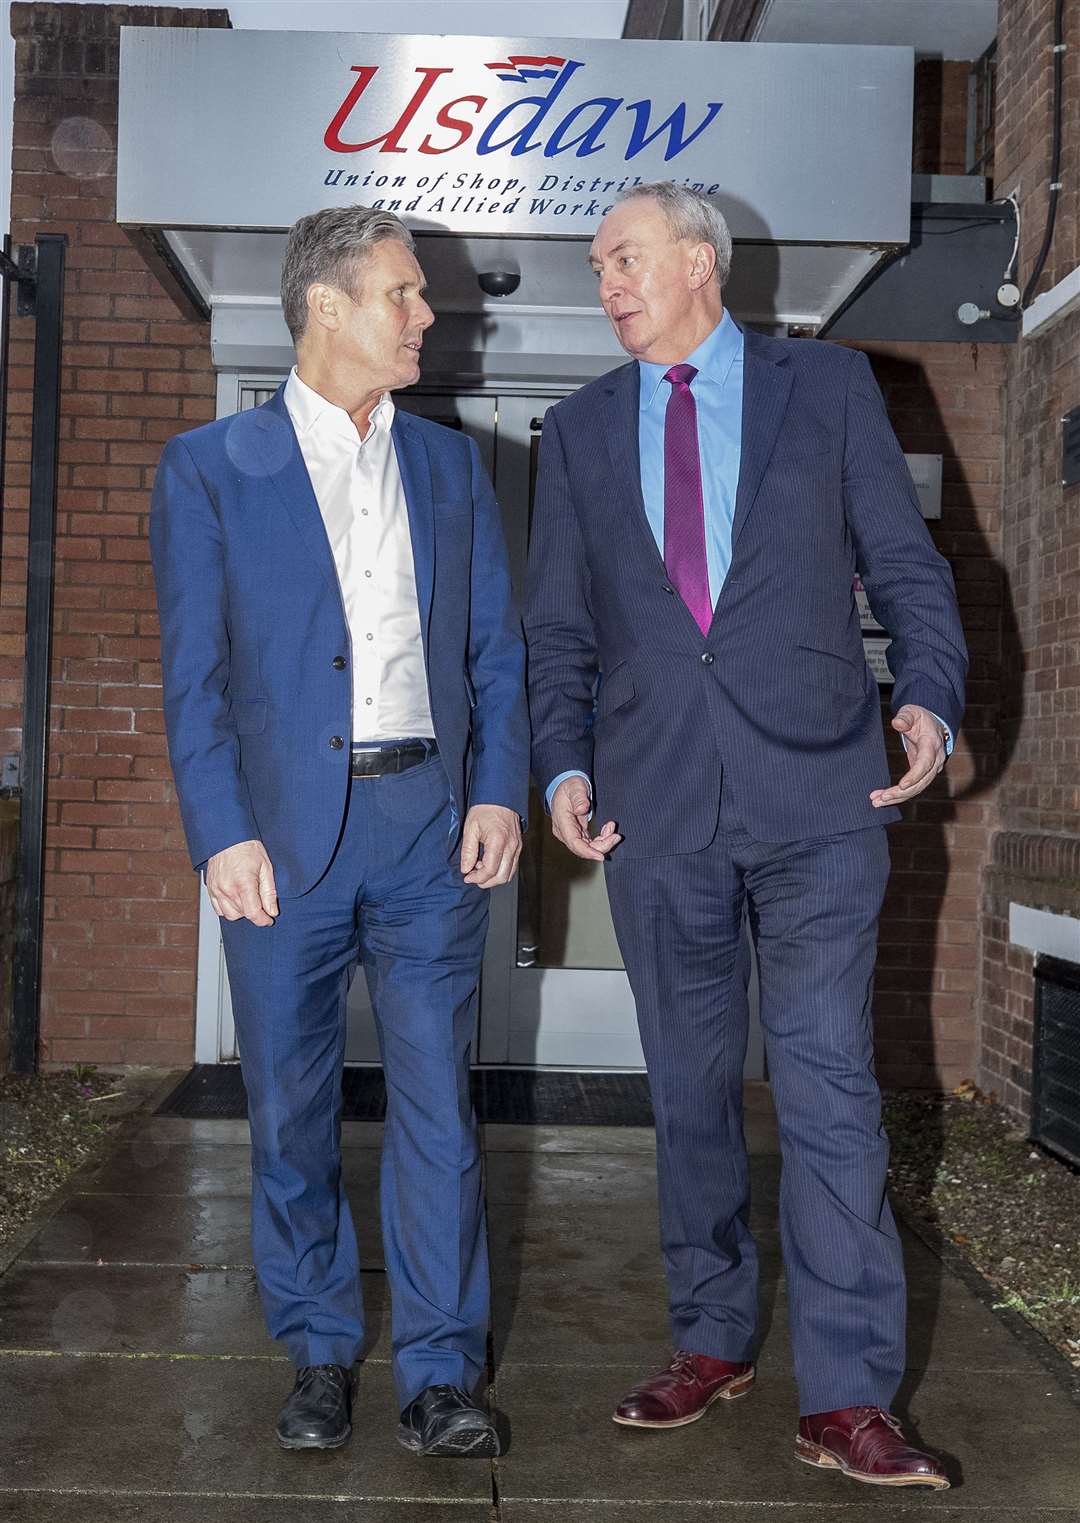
549	124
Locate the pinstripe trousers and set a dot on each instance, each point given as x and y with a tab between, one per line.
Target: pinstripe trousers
814	908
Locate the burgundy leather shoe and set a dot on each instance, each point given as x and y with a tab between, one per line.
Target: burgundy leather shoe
867	1444
683	1392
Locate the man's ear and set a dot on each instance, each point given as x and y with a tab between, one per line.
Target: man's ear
324	306
703	266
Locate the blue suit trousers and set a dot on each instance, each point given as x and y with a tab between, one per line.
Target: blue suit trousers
814	909
393	900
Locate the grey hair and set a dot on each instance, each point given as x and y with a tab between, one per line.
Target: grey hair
331	247
690	215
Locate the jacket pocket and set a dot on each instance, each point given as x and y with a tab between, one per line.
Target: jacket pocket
616	688
827	668
249	715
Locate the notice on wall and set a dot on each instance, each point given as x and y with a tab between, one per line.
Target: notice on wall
874	651
926	474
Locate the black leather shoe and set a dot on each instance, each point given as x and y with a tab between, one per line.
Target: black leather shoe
317	1413
444	1421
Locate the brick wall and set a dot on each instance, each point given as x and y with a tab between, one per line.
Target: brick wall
1036	853
121	900
945	399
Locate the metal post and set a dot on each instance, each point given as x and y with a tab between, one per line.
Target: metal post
50	249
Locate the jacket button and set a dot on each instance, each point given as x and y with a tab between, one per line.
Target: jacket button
708	658
336	742
338	663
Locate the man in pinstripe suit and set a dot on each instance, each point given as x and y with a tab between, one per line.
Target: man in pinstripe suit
700	515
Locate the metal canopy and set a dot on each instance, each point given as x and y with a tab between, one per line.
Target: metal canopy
514	147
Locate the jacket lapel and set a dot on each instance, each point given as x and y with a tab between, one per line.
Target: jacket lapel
415	468
620	426
767	377
293	484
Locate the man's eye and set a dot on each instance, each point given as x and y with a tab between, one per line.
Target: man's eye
626	259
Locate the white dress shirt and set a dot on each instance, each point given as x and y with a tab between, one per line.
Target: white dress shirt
362	501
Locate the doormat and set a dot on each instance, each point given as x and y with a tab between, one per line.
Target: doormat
525	1096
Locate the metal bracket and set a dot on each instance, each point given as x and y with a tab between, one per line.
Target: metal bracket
26	299
23	271
9	774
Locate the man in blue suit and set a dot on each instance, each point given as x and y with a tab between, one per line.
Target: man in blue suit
700	516
344	701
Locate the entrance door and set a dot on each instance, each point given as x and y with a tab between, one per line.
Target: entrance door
553	990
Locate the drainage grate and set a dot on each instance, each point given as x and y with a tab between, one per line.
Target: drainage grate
529	1096
1055	1120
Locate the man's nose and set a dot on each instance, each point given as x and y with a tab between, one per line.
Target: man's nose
609	286
427	316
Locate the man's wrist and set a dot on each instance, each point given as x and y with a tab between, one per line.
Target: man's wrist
557	782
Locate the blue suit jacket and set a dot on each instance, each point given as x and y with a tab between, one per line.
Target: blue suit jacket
778	698
251	620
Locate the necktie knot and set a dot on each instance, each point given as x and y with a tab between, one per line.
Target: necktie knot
680	375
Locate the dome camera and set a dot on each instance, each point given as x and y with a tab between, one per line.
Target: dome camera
499	282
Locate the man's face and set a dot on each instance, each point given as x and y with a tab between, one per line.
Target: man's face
645	276
383	325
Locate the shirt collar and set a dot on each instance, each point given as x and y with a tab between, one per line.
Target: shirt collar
712	359
311	412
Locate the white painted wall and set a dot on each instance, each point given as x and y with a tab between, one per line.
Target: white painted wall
496	18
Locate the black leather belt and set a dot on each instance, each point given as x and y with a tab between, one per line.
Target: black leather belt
377	758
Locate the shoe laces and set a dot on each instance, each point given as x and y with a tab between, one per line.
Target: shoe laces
864	1416
332	1374
682	1366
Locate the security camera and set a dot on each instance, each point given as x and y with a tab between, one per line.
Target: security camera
499	282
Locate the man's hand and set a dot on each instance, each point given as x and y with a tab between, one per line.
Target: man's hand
570	809
925	746
240	882
498	831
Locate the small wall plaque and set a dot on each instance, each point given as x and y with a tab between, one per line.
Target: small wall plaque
875	659
926	474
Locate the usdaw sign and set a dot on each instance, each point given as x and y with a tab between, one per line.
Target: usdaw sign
497	135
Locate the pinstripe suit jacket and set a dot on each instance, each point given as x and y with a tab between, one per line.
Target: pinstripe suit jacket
777	699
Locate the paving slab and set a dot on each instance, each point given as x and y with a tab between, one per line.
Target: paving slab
84	1507
1016	1450
202	1427
354	1134
149	1166
539	1180
504	1137
169	1229
108	1308
885	1509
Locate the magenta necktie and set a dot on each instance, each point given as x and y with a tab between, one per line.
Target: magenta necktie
684	508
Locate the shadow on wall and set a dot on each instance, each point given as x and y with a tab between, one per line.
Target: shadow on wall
927	975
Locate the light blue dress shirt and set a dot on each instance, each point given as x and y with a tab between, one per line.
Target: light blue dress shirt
717	390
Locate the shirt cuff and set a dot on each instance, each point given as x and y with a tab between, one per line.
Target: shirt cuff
944	726
550	794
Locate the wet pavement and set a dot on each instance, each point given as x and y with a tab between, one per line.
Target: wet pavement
137	1380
